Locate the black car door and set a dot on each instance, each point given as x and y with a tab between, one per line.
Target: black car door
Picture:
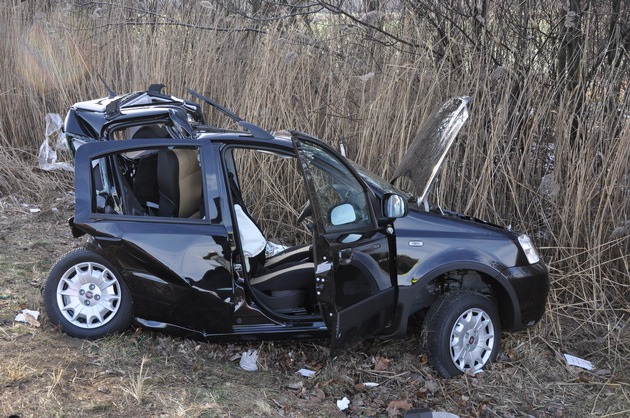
177	264
354	255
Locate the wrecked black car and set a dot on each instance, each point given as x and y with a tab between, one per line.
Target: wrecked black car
172	245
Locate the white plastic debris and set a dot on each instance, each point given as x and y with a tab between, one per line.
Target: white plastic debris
370	384
365	77
34	210
578	362
28	316
47	157
248	360
306	372
343	404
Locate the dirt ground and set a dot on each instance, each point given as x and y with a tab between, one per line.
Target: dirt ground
46	373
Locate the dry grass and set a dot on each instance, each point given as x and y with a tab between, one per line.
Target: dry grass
45	373
522	159
137	386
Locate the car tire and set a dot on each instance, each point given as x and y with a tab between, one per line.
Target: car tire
462	333
86	296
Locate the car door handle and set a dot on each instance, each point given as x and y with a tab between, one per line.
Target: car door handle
345	256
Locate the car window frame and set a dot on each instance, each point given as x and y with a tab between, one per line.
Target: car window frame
371	198
84	186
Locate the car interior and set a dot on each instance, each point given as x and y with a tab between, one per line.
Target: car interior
283	282
167	182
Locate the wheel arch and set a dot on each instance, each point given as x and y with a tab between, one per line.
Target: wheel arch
480	277
420	295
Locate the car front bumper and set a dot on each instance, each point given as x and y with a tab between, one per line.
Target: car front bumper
531	286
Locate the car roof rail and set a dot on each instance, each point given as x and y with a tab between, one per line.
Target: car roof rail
255	130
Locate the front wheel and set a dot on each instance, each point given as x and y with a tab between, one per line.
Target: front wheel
462	332
86	297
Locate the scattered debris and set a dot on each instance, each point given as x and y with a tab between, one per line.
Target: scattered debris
343	404
248	360
427	413
29	317
548	187
578	362
397	406
443	415
621	231
296	386
306	372
381	364
47	158
365	77
363	386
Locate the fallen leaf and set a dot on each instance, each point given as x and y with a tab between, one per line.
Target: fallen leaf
296	386
31	320
317	395
424	360
603	372
432	386
381	364
394	408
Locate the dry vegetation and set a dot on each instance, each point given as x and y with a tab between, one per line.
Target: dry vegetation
546	150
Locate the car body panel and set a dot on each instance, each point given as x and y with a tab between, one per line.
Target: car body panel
427	152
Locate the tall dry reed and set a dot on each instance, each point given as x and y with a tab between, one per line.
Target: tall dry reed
532	155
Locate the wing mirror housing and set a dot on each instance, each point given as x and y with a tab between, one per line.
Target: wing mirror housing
395	206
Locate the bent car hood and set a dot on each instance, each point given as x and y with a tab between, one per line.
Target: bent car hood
429	148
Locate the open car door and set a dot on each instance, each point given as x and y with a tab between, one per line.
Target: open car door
355	257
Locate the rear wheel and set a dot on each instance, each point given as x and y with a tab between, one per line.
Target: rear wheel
462	332
86	297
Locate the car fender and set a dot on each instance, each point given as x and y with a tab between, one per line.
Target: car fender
415	294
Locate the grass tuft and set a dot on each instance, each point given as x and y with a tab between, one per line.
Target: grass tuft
137	387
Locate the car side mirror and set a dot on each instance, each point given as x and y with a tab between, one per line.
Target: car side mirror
342	214
394	206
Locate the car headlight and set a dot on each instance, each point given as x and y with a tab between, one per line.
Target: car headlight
529	249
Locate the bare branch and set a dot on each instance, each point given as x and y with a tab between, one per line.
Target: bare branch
340	11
